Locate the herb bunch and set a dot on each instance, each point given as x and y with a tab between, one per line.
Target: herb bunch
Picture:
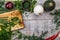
56	14
5	27
28	37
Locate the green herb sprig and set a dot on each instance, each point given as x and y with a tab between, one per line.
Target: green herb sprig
56	15
28	37
5	25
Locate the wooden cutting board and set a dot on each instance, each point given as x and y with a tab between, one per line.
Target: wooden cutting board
15	13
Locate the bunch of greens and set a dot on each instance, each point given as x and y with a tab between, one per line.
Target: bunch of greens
5	34
56	14
33	2
33	37
5	26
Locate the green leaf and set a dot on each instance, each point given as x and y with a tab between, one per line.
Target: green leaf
25	37
32	5
1	3
4	35
11	24
3	21
20	36
15	20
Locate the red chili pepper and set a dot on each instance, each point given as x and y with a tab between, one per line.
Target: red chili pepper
53	37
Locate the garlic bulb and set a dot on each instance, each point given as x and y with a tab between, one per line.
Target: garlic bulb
38	9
